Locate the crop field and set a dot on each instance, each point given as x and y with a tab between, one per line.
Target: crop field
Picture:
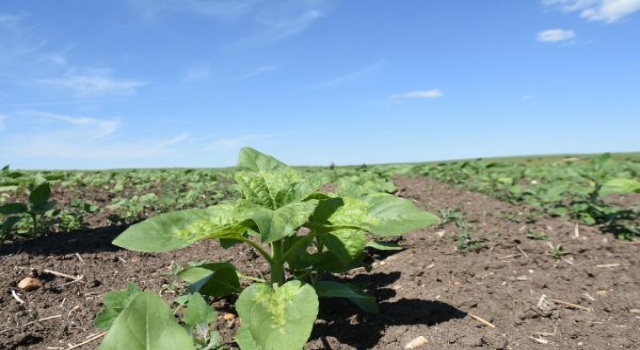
517	253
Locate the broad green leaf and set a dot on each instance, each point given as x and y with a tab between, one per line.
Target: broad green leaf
147	323
270	189
13	208
329	289
217	279
43	207
621	186
198	311
182	228
279	318
343	212
8	188
396	215
40	194
250	159
345	245
245	340
284	221
270	183
114	303
384	245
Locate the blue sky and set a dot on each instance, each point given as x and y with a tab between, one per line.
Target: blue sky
187	83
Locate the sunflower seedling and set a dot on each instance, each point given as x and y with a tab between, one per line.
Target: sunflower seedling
301	232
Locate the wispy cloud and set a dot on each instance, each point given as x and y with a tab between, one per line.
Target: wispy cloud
94	82
197	73
608	11
234	144
45	135
433	93
273	20
527	97
350	77
555	35
2	119
9	20
153	9
92	128
174	141
259	71
277	28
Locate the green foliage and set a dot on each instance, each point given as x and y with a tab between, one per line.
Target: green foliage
38	205
577	189
147	323
301	232
557	251
278	316
465	242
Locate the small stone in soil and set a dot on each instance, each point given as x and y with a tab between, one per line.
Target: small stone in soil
29	283
416	343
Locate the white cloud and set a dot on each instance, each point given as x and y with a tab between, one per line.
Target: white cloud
259	71
10	20
2	119
234	144
608	11
278	28
555	35
91	128
433	93
273	20
152	9
195	74
174	141
351	77
527	97
49	136
94	82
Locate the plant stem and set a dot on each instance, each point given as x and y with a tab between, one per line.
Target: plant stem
259	249
277	264
35	223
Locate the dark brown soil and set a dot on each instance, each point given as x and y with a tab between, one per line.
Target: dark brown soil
588	299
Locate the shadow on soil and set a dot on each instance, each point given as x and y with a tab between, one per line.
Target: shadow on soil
84	241
349	325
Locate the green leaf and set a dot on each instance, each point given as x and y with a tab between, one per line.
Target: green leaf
13	208
621	186
345	245
182	228
198	311
8	188
329	289
217	279
250	159
245	340
342	212
265	181
115	302
40	195
384	245
270	189
396	215
279	318
147	323
284	221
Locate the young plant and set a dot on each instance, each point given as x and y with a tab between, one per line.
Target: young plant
301	232
557	251
39	203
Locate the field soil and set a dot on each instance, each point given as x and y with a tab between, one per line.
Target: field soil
506	292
